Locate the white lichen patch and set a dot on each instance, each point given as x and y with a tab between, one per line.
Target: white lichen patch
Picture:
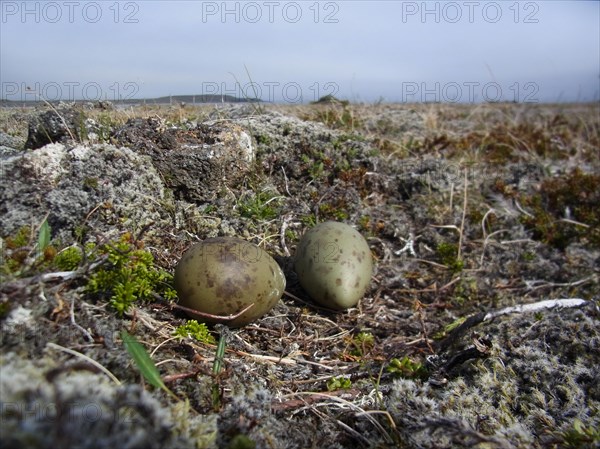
46	163
47	405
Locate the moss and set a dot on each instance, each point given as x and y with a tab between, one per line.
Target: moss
90	183
21	238
195	330
5	308
466	290
263	205
68	259
360	344
241	441
448	254
334	212
263	139
23	255
580	436
565	210
128	276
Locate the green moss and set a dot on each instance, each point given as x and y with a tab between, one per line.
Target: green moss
68	259
128	276
364	223
449	328
90	183
465	291
448	254
4	309
308	220
261	206
241	441
195	330
21	238
263	139
25	255
581	436
330	211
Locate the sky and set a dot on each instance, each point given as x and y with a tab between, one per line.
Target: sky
292	52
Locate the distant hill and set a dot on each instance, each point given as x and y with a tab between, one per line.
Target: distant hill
171	99
204	98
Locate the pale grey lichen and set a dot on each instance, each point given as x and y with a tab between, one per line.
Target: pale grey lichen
533	387
45	405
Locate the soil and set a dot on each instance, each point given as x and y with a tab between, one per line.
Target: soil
467	209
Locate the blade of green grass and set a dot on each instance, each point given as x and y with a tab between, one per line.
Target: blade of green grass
142	360
218	365
43	236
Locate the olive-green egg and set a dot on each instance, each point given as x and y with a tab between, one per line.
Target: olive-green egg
334	265
223	275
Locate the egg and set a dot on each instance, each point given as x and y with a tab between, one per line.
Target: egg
334	265
223	275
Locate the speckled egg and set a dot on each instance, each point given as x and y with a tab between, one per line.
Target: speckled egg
334	265
223	275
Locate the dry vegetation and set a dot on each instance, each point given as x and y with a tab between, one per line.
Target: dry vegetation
466	208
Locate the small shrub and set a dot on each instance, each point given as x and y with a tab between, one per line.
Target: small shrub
406	368
338	383
361	344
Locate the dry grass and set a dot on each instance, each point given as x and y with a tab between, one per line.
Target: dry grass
482	229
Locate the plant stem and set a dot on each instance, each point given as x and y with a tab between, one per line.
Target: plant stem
218	365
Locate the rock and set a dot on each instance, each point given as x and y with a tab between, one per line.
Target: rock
6	140
6	152
95	185
54	126
46	404
197	163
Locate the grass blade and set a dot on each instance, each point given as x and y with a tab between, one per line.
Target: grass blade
43	237
218	365
142	360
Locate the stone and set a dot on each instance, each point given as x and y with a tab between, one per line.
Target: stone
197	163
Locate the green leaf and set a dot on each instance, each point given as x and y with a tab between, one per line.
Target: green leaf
142	360
44	236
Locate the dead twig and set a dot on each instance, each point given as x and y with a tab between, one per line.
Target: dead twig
308	398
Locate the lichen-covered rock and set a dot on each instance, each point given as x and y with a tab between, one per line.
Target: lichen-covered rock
100	186
197	163
46	405
54	126
6	140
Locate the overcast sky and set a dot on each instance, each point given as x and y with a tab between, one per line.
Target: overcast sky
465	51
